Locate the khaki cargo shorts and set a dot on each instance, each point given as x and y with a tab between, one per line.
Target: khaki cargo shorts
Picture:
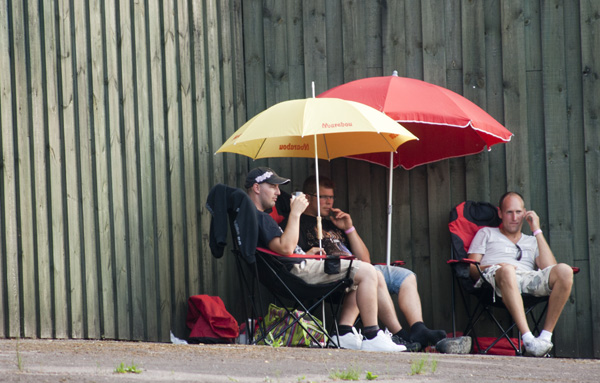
313	271
534	282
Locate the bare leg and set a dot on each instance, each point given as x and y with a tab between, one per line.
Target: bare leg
409	301
561	281
349	311
506	280
366	279
385	304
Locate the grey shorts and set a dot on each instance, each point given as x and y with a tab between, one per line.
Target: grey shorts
313	271
394	276
534	282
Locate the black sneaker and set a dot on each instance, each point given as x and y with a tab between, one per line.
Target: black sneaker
460	345
410	346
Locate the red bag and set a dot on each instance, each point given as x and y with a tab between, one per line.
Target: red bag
503	347
209	321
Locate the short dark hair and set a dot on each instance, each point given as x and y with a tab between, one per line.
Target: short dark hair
501	201
310	184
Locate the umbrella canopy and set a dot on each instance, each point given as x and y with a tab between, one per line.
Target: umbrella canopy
336	128
448	125
324	128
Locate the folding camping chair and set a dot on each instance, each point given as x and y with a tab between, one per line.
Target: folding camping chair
465	220
232	207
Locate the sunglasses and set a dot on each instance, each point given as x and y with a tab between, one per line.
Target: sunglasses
519	253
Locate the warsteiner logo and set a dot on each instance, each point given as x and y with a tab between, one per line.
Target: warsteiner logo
326	125
294	147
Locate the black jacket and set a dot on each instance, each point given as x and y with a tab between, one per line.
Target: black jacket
222	201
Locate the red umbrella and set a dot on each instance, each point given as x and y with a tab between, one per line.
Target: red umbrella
446	124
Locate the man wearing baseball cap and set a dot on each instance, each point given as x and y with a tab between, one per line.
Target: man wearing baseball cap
262	185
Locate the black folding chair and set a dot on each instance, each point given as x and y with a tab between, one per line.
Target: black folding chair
465	220
232	207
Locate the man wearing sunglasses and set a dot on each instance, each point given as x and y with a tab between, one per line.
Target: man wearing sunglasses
516	263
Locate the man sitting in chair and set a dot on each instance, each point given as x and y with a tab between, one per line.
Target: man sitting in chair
516	263
262	185
341	237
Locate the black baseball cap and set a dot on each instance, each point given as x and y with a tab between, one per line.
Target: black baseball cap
264	174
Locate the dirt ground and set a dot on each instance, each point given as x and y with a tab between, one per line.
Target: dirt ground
96	361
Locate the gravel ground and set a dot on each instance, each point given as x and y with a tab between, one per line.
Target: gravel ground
95	361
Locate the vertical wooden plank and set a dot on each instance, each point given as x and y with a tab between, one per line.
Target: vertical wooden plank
438	177
575	126
11	320
315	46
590	40
559	232
333	37
173	125
55	176
189	151
276	65
205	154
87	227
39	192
232	174
254	57
373	48
108	321
147	209
393	37
161	170
535	108
116	174
354	40
474	80
24	177
127	78
74	283
494	93
515	91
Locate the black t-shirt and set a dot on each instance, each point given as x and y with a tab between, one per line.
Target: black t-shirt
335	241
267	229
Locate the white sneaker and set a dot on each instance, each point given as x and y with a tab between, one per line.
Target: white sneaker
381	342
351	341
537	347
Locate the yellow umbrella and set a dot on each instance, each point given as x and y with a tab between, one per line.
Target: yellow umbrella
337	128
323	128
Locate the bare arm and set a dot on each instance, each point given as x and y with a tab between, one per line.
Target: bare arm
546	257
343	221
286	243
473	268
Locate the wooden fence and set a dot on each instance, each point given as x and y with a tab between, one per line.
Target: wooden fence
111	112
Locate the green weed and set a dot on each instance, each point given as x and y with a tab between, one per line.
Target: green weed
348	374
371	376
19	360
274	342
420	366
122	369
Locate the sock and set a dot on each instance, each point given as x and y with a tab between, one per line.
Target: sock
546	335
527	337
344	329
370	332
403	334
420	333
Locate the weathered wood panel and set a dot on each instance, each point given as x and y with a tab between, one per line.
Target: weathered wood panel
110	114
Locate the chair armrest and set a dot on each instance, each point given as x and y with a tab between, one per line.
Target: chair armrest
304	256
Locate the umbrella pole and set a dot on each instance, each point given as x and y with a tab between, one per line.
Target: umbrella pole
319	225
389	212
